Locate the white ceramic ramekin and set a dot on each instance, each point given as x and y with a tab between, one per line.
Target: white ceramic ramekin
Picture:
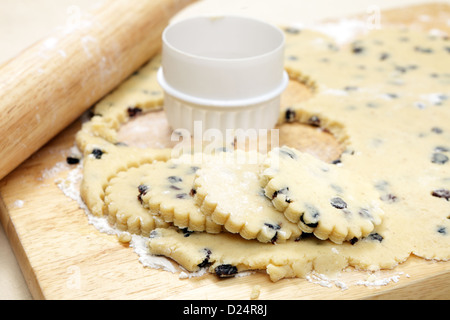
226	72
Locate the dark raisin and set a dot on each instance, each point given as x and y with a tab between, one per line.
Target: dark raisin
314	215
289	115
186	232
154	234
72	160
375	236
174	179
441	193
97	153
225	270
384	56
281	191
274	238
439	158
442	230
392	95
192	192
337	161
389	198
441	149
365	213
400	69
273	226
437	130
357	49
314	121
311	225
142	191
353	241
338	203
182	196
304	235
193	170
205	262
423	50
133	111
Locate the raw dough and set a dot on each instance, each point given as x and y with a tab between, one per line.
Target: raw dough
168	192
384	97
241	207
325	199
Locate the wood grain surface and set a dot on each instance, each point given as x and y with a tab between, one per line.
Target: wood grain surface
54	81
62	256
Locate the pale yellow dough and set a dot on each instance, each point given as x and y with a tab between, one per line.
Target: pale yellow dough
241	207
386	99
327	200
170	195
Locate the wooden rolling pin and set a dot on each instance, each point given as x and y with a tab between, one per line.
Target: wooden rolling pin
53	82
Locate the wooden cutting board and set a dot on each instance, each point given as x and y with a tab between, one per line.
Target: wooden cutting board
62	256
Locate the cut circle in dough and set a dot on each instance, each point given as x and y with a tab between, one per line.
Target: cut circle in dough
321	198
229	191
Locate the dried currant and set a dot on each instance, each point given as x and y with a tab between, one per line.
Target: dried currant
225	270
289	115
439	158
205	262
375	236
97	153
72	160
338	203
174	179
441	193
133	111
389	198
314	121
143	189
